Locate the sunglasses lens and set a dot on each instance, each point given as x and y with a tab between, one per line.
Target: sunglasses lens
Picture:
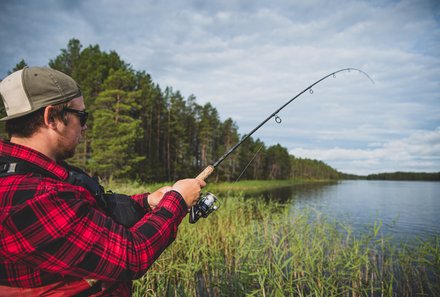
81	114
83	118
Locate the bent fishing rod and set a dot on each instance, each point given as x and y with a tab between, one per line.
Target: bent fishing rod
207	203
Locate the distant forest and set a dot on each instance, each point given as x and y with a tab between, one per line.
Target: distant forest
413	176
406	176
139	131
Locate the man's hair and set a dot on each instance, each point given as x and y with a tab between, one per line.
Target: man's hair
27	125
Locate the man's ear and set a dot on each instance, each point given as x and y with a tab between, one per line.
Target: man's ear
49	119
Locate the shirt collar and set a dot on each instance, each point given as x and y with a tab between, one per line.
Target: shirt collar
9	149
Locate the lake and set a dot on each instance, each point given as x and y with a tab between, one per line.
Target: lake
408	210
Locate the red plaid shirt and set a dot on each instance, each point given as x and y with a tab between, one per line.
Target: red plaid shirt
52	231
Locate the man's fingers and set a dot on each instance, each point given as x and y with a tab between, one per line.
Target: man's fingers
202	183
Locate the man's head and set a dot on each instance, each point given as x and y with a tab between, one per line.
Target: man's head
46	101
30	89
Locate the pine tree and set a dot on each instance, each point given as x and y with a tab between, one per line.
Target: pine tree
20	65
116	129
277	162
67	61
228	137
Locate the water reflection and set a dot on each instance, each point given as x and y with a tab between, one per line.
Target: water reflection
408	211
288	194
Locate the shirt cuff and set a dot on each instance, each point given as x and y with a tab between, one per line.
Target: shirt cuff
142	200
173	201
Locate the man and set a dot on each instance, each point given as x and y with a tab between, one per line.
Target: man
55	237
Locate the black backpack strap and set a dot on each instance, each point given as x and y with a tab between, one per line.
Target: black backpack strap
11	165
84	180
122	208
7	168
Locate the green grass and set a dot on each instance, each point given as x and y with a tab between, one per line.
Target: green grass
253	186
248	186
252	248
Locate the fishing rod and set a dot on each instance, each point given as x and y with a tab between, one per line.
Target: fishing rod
207	203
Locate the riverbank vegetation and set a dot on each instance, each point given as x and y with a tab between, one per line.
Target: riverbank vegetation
248	186
252	248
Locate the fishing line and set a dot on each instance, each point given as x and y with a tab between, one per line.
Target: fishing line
256	153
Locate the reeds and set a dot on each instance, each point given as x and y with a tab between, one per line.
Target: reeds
253	248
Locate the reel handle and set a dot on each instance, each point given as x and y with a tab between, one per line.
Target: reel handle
193	218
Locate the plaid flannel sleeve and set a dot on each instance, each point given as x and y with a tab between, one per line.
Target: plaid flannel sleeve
64	232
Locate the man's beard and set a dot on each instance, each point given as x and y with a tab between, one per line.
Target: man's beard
65	151
65	154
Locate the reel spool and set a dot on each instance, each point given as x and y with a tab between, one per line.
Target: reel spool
206	205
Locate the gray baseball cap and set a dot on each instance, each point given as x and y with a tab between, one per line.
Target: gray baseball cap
32	88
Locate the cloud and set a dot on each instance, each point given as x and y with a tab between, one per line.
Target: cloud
420	152
249	57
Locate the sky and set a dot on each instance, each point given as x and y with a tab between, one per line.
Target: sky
250	57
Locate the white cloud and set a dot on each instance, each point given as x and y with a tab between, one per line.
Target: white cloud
420	151
249	57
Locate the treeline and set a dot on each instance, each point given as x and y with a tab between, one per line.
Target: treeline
306	168
421	176
136	130
399	175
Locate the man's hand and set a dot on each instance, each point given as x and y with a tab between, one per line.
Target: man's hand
155	197
189	189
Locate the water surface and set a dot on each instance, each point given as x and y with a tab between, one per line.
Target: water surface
408	210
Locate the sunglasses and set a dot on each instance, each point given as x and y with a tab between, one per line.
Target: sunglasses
81	114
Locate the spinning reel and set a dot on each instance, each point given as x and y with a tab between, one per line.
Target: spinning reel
206	205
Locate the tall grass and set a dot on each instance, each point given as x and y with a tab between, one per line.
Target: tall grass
252	248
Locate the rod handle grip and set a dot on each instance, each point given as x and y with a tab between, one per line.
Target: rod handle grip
206	172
